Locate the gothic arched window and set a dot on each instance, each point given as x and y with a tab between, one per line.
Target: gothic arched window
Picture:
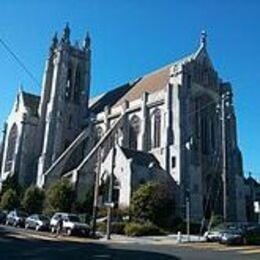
77	86
134	130
12	139
99	133
68	84
157	129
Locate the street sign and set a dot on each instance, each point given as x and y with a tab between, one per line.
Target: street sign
109	204
256	207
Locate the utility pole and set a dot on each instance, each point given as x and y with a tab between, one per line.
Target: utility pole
188	216
96	193
224	159
110	203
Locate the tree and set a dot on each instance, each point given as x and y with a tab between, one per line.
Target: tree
11	183
9	200
33	200
153	202
60	196
85	206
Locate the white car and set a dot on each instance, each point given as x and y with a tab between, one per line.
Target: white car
70	224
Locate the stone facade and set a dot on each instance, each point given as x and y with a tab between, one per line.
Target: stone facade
168	118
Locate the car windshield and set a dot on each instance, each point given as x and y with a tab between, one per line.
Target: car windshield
224	227
234	231
73	219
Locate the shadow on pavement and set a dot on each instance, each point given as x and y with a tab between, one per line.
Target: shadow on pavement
19	248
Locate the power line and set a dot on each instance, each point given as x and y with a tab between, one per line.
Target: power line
19	61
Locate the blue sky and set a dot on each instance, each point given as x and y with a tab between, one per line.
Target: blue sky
133	37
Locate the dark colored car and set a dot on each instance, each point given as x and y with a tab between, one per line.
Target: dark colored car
215	234
245	236
16	218
3	215
37	222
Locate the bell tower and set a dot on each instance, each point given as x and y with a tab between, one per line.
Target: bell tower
64	100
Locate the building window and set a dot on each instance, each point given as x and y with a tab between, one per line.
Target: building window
68	84
195	188
77	86
157	129
173	162
204	135
212	136
134	130
12	139
99	133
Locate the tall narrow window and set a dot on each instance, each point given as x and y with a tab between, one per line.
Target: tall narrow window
133	132
157	129
99	133
204	135
77	86
212	136
68	84
12	139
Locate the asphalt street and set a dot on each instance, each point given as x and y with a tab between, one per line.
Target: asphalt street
21	244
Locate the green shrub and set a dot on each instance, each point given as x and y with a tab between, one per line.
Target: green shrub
59	196
215	220
9	200
116	227
142	229
33	200
153	202
182	227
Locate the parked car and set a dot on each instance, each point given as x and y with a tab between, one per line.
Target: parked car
16	218
247	235
3	214
215	234
37	222
71	224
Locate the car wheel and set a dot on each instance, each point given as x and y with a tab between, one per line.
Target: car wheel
69	231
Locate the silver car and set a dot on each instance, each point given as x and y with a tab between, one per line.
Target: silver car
37	222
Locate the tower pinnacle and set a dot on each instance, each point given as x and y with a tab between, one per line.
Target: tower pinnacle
203	38
87	41
54	42
66	34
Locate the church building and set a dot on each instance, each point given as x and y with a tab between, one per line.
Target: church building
165	126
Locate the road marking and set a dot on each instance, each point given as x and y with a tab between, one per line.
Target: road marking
251	251
235	248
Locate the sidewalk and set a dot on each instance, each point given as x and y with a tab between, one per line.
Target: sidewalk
169	239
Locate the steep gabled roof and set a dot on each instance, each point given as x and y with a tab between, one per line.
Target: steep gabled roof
149	83
31	102
110	98
141	158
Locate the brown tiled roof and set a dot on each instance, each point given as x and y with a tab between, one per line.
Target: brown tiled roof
149	83
110	98
31	102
